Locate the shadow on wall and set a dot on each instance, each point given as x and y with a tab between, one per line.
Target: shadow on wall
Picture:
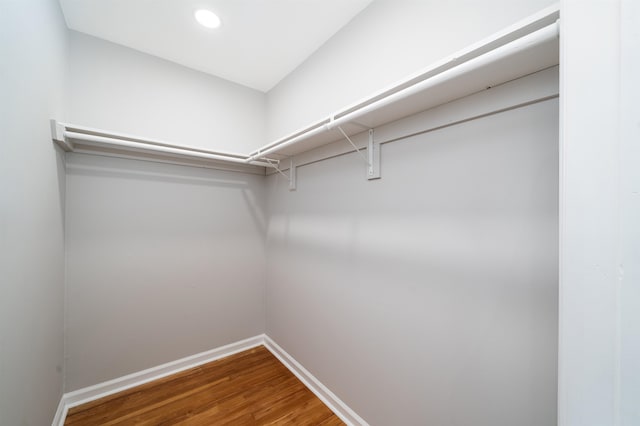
145	171
434	287
62	181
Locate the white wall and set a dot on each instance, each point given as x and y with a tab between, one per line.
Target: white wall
163	262
116	88
429	296
599	370
629	213
33	50
386	42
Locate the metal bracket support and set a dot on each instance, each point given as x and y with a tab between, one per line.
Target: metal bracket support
292	175
373	152
353	145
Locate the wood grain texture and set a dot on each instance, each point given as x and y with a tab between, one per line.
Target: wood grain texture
248	388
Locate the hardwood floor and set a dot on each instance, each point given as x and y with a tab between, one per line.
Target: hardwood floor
249	388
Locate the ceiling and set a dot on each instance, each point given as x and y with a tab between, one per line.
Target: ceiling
257	45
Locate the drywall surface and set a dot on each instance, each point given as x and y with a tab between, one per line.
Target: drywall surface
599	353
629	371
33	51
163	262
116	88
428	296
385	43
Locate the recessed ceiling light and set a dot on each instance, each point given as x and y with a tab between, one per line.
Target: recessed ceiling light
207	18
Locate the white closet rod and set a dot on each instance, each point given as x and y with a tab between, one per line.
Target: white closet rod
536	38
149	146
63	132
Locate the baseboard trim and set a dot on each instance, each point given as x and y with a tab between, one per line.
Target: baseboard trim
91	393
332	401
61	413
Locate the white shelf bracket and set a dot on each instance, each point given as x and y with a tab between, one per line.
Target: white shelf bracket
57	135
292	176
373	152
366	160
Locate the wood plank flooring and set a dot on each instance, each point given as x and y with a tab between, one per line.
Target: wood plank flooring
249	388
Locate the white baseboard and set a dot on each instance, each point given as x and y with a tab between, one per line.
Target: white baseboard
91	393
61	413
334	403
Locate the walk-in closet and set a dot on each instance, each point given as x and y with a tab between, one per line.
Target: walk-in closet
361	212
